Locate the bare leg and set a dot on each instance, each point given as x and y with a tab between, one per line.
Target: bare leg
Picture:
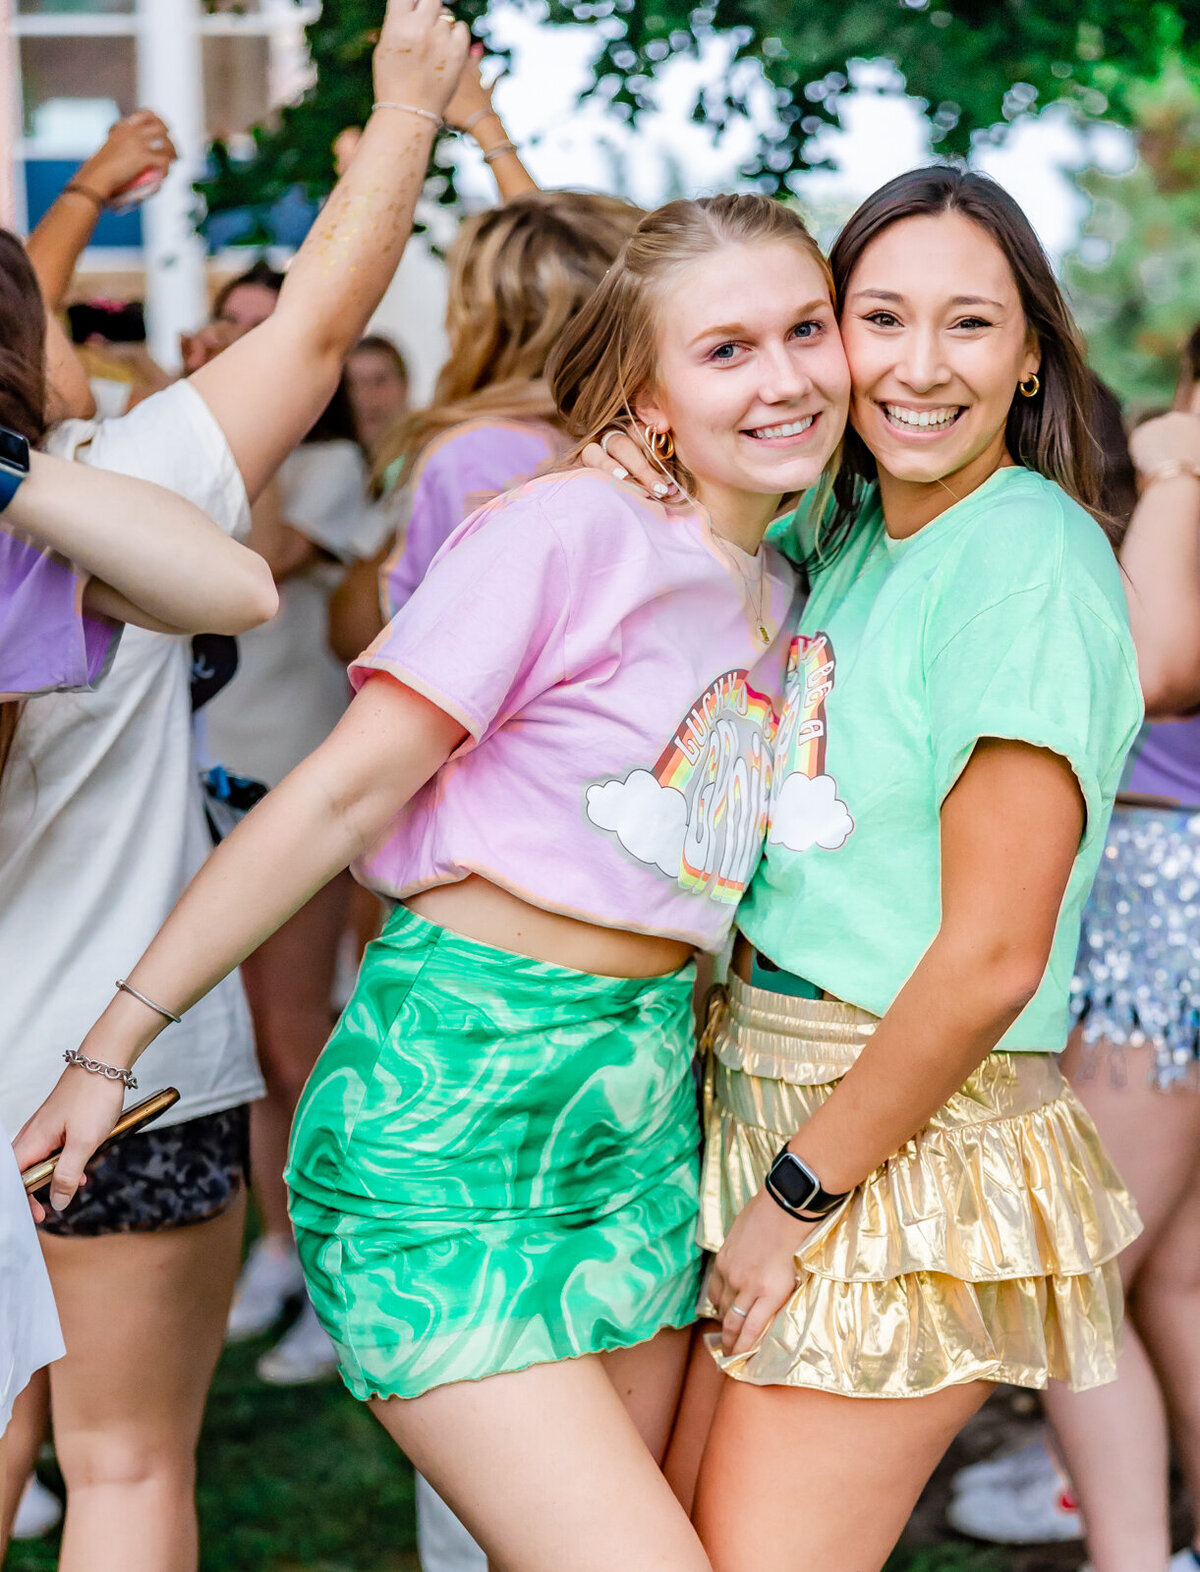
289	982
1166	1307
1114	1438
648	1379
143	1317
547	1469
803	1481
23	1440
693	1421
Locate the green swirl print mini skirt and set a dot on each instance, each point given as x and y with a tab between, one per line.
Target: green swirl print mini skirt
495	1164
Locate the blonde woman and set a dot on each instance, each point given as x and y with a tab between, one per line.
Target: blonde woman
558	766
518	275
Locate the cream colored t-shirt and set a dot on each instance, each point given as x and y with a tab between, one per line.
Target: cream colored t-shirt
101	819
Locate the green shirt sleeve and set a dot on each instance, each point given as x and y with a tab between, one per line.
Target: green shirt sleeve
1042	667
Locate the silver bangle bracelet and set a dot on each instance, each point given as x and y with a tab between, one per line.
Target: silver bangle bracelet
501	150
110	1072
160	1009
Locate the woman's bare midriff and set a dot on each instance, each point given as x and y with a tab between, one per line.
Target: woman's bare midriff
482	911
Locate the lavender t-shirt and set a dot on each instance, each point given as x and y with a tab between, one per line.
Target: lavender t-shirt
457	472
48	643
1165	762
604	655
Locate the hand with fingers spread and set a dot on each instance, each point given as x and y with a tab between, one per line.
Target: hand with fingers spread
754	1274
618	453
139	142
419	57
78	1115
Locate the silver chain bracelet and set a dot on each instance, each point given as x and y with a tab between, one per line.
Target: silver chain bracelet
110	1072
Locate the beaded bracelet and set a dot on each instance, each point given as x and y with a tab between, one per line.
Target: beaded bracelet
410	109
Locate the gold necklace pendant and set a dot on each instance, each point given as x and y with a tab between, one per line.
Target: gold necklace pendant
763	634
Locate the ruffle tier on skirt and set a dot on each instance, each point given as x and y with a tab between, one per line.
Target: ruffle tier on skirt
985	1249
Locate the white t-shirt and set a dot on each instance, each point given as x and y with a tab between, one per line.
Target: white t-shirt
290	689
101	818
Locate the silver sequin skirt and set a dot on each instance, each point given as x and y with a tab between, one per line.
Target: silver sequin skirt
1137	975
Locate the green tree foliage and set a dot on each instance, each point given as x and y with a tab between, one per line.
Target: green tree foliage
1135	281
977	64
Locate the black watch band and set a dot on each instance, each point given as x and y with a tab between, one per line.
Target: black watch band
792	1185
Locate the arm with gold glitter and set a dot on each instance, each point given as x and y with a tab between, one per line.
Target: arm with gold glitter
268	388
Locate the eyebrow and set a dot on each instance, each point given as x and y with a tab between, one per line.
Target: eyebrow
957	300
735	329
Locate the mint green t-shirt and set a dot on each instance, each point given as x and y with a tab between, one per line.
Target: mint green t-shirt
1004	617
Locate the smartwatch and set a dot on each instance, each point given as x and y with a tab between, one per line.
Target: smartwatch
14	464
792	1185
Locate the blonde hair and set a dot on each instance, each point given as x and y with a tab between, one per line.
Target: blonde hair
518	274
608	356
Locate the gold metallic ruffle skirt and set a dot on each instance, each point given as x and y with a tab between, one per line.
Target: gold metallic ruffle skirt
985	1249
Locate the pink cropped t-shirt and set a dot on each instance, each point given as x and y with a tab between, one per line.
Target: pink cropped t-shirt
607	657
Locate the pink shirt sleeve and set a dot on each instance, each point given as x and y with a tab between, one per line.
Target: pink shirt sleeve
457	473
47	642
485	630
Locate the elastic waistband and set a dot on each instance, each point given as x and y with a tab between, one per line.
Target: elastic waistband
785	1038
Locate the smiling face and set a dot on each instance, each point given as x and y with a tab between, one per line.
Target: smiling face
936	339
751	379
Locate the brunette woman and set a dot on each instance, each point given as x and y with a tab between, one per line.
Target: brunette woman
906	1200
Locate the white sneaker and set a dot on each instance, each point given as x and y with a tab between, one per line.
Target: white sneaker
1038	1512
270	1280
38	1511
1028	1462
304	1353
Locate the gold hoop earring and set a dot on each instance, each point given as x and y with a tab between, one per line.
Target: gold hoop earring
1029	387
660	443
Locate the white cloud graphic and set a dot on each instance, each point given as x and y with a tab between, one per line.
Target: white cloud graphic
808	812
649	820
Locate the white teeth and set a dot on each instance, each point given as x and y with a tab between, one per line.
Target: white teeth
922	417
793	428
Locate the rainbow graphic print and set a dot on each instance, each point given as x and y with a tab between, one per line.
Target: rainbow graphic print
805	809
699	815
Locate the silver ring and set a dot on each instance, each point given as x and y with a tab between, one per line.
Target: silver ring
733	1310
606	436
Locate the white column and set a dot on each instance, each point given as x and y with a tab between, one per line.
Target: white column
10	122
171	82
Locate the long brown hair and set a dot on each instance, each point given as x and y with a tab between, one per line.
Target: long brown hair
608	356
518	274
1049	433
22	382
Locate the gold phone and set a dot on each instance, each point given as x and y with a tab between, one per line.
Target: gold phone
38	1175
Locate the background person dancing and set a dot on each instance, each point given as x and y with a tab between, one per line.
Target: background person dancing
143	1299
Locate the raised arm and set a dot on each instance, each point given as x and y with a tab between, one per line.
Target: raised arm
140	141
1161	558
328	810
471	111
1001	897
268	388
156	560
